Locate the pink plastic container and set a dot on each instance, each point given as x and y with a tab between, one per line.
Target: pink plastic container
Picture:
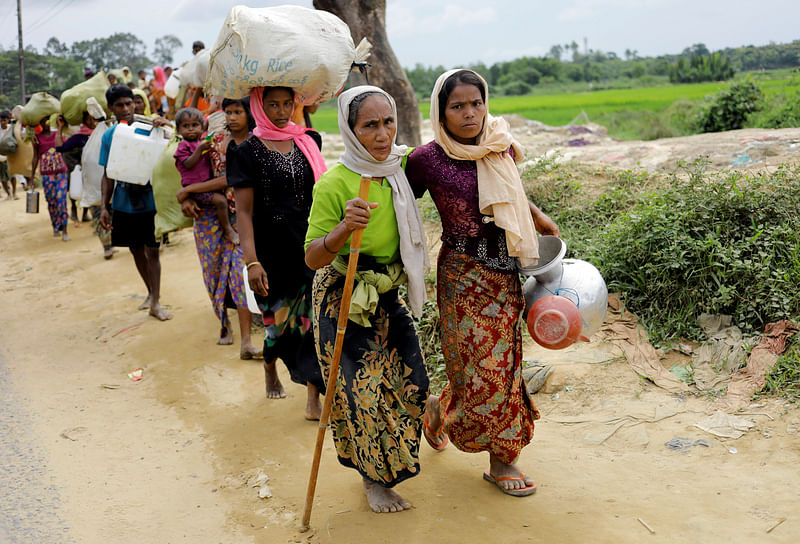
555	322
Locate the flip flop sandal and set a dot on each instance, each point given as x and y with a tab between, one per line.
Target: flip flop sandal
432	438
522	492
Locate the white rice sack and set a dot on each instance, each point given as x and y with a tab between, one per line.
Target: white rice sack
195	72
308	50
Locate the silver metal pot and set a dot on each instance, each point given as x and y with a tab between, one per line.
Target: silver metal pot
32	201
574	279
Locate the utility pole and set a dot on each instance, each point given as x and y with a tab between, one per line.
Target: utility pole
21	54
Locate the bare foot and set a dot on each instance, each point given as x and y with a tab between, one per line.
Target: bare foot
273	383
144	305
313	407
226	338
232	235
383	500
248	351
160	313
499	470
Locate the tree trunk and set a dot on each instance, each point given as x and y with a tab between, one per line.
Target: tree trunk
367	19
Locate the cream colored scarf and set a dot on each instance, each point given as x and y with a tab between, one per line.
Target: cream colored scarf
500	192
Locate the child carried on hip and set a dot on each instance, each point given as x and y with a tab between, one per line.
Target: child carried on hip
194	165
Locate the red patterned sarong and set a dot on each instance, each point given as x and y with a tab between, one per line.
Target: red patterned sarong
481	332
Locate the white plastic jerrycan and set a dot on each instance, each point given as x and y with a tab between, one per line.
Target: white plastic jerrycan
134	151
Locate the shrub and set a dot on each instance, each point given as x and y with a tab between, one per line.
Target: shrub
720	244
517	88
782	111
729	108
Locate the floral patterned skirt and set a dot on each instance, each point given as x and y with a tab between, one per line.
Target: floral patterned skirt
222	264
481	332
56	187
382	386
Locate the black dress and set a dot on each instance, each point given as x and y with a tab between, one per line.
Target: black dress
282	186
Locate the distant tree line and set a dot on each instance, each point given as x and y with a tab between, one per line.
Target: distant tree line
59	66
566	63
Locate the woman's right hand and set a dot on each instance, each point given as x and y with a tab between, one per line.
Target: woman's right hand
257	278
357	213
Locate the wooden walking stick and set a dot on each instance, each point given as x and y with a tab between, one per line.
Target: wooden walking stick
344	312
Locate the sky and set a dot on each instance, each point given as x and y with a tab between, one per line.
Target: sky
441	32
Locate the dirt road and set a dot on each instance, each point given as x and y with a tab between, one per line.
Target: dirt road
167	459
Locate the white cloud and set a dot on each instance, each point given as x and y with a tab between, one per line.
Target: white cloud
586	9
404	18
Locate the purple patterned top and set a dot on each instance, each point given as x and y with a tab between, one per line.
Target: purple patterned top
453	185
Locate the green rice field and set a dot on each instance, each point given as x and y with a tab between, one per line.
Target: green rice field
599	106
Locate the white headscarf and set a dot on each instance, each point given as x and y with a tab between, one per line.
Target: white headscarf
413	243
500	192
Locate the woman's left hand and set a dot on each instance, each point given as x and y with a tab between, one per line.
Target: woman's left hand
189	208
543	224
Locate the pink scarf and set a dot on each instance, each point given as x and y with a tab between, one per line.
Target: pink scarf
159	78
267	130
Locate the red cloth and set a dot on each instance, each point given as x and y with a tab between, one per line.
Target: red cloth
267	130
480	311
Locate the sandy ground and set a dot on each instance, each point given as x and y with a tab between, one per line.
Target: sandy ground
168	459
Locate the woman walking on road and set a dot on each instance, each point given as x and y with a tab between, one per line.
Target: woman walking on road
273	173
376	416
55	181
220	258
487	223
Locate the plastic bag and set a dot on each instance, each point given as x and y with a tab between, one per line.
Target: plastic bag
8	142
166	182
73	101
40	105
91	171
76	183
308	50
195	72
173	84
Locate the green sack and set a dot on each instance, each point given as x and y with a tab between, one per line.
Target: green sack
8	142
73	101
166	182
40	105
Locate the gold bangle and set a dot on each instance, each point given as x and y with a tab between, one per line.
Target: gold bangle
325	245
252	264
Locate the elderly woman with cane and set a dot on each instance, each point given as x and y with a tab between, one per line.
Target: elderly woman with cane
488	226
380	391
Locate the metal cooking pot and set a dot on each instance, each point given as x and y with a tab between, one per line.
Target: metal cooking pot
577	280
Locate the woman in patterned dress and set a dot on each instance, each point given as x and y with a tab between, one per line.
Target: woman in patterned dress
220	259
272	174
487	222
55	181
376	416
